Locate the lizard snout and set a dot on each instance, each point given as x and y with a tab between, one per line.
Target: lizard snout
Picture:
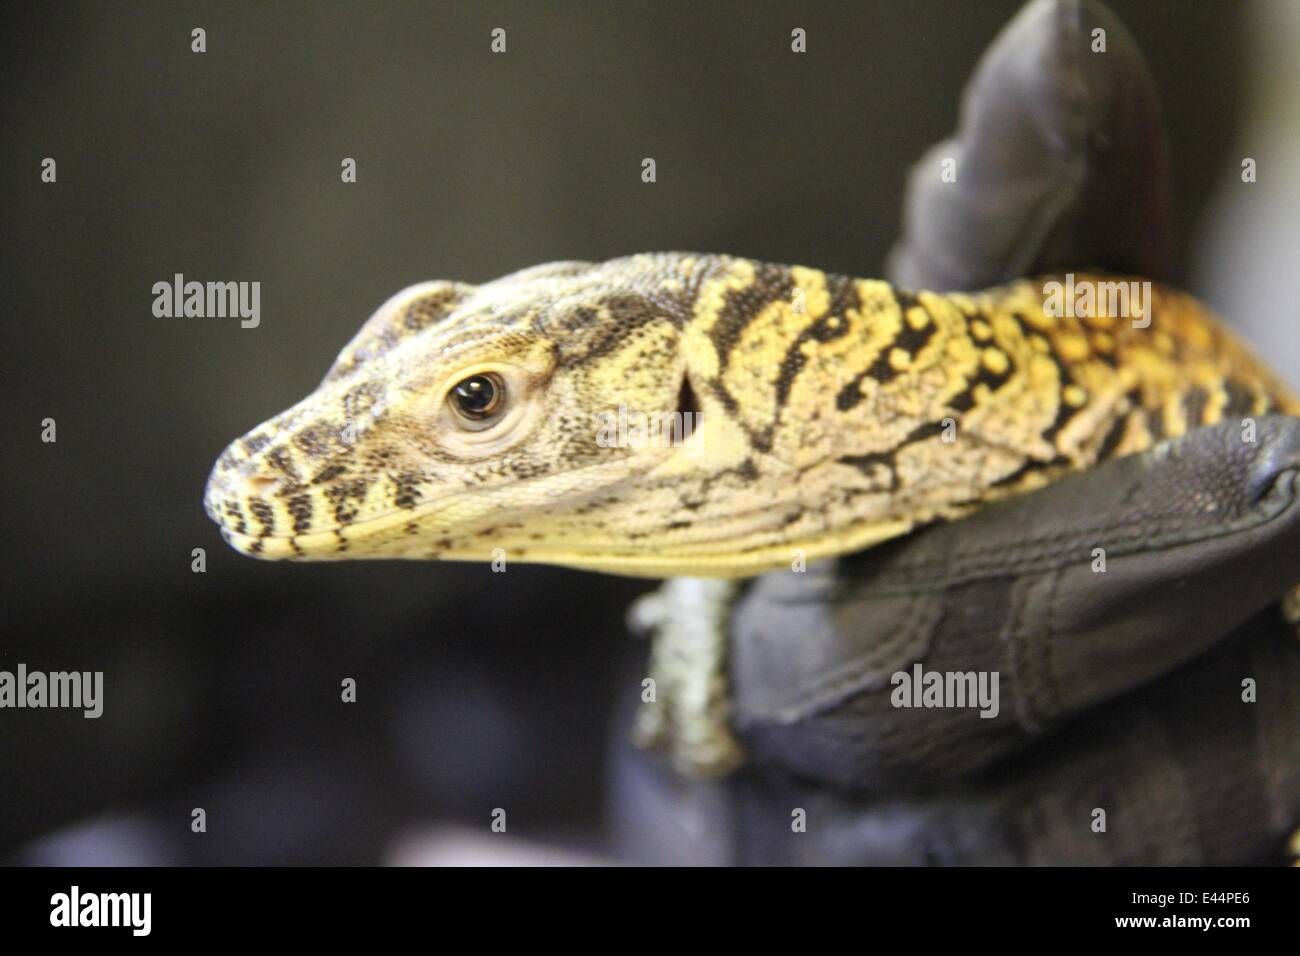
241	498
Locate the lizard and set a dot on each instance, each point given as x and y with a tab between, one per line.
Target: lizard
828	414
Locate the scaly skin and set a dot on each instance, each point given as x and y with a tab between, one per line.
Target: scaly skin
836	413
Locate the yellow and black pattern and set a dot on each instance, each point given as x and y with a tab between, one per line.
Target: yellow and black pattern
831	413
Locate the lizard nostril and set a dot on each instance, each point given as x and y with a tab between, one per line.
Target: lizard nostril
263	484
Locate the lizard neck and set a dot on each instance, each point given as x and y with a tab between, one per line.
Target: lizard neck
838	412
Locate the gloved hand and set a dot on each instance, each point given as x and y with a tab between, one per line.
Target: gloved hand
1120	690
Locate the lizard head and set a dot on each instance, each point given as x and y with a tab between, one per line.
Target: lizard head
518	415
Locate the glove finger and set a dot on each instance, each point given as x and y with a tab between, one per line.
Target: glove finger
1060	161
1018	590
1182	772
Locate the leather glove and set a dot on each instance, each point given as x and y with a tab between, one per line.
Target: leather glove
1120	690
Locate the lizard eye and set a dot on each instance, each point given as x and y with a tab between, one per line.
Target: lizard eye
477	401
488	407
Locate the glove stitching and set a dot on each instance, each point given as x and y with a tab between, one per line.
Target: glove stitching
1165	524
1153	534
1051	688
1019	649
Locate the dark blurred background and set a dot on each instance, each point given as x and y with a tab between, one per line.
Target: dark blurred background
475	690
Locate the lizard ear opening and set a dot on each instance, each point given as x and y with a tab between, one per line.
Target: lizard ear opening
687	403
